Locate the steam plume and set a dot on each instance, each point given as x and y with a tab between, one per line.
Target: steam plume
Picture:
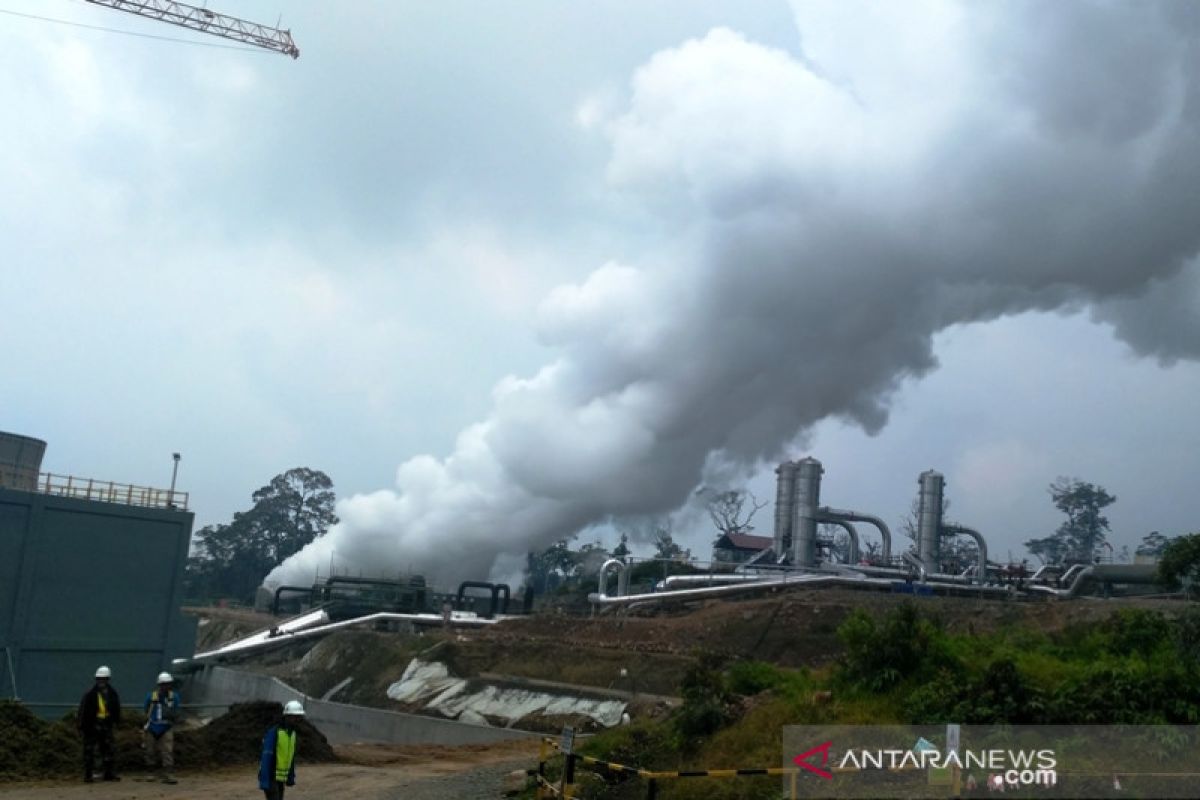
918	166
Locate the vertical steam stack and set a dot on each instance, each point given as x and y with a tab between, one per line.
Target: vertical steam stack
785	491
806	512
929	519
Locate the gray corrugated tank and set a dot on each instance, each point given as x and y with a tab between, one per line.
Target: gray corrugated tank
20	461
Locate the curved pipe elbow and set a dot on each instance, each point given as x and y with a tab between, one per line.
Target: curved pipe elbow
981	543
836	515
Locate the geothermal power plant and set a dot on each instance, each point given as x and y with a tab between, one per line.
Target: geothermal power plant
799	557
58	613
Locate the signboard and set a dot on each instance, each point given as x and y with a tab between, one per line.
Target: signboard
567	743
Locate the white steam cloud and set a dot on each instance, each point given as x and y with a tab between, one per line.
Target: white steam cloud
921	165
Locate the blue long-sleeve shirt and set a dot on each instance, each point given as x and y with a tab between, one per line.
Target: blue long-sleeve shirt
160	711
266	764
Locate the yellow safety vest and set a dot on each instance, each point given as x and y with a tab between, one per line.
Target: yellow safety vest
101	707
285	751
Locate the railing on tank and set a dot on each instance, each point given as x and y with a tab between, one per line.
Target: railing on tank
110	492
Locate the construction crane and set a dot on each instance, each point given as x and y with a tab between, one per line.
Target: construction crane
201	19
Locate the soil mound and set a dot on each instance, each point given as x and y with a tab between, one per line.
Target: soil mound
32	748
236	737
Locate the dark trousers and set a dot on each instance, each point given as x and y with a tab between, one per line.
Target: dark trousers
100	736
276	790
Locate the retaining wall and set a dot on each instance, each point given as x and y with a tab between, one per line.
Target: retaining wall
341	723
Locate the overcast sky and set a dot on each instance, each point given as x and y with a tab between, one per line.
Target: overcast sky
505	271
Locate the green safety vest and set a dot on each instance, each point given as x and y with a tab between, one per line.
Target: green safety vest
285	751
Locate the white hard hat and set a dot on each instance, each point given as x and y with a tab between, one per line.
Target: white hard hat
293	708
104	672
165	677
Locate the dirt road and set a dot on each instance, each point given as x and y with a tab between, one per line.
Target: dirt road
369	772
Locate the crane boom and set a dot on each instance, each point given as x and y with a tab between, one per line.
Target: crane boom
201	19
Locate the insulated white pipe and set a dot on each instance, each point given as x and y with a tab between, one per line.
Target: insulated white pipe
263	640
803	580
1071	590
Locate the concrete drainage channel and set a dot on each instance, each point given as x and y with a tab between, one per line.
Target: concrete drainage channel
341	723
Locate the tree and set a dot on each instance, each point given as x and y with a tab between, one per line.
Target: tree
589	559
1048	549
1085	528
230	560
294	509
728	510
666	548
550	567
622	548
1153	544
1179	564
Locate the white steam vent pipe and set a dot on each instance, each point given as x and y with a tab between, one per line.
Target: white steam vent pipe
622	577
981	570
838	516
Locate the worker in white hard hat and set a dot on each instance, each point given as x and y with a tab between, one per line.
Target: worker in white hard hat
277	767
158	734
99	715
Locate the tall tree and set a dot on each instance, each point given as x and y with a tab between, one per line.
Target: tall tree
728	510
229	560
293	509
1086	527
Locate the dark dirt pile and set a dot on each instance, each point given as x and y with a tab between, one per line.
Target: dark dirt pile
236	737
33	748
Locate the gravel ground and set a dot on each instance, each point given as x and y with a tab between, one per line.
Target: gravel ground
473	773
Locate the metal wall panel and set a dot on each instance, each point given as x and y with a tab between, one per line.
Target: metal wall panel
84	583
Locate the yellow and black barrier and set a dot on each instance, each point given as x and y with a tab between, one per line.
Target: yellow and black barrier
652	777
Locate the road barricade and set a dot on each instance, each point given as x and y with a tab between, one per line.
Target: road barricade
566	786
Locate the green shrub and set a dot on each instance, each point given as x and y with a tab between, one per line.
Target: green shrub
706	698
880	655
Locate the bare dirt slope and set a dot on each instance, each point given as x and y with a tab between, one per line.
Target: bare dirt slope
218	626
644	654
369	772
797	627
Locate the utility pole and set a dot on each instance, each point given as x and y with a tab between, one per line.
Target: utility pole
174	475
199	19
